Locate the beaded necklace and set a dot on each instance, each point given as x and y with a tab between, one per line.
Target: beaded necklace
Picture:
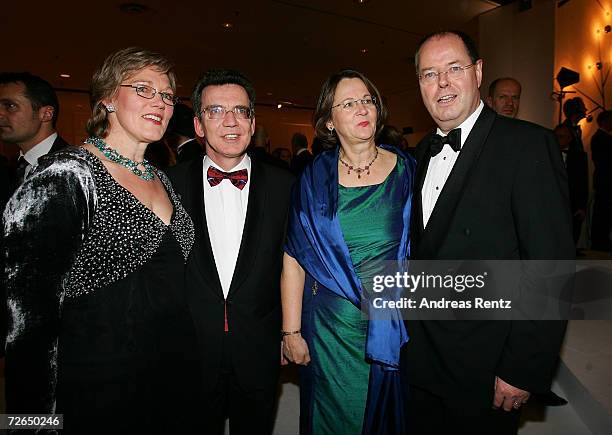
359	170
112	155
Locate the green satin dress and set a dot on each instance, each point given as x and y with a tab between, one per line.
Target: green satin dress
371	222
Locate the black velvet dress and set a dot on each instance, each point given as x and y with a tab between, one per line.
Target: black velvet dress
99	330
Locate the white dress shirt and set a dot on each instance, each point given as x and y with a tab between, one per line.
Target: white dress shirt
441	165
226	208
36	152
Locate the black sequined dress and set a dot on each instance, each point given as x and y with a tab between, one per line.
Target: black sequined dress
99	329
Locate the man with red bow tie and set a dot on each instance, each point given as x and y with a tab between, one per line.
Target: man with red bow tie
239	207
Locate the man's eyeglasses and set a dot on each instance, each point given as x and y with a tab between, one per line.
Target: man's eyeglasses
351	105
219	112
149	92
454	72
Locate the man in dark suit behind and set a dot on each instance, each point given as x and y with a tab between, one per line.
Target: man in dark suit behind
239	206
502	195
180	134
301	156
577	164
601	153
28	114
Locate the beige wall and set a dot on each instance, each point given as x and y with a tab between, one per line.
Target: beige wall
521	45
577	47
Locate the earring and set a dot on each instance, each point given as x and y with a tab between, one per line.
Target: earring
330	128
110	108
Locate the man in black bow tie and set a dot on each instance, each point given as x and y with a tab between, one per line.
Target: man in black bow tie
487	188
239	207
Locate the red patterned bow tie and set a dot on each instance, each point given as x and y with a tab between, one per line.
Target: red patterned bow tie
237	178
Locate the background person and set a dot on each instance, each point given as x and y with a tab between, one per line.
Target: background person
577	165
301	156
601	153
505	96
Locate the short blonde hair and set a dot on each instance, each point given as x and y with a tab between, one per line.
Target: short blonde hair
118	67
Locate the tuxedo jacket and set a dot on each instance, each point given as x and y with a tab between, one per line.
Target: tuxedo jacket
253	302
506	198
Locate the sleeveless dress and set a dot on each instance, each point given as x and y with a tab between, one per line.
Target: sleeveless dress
334	386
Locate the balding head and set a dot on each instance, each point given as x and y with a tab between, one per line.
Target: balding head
505	96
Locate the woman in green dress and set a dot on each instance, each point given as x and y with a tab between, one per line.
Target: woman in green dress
350	213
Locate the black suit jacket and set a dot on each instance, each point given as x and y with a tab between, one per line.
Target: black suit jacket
505	199
58	144
253	302
577	165
300	161
189	150
601	154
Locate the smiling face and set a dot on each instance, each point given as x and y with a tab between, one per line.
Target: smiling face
136	118
449	101
358	123
227	138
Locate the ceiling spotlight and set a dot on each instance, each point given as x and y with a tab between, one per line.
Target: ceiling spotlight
227	25
361	2
133	8
363	50
65	76
279	105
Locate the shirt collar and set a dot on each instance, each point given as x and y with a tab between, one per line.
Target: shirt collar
39	150
467	125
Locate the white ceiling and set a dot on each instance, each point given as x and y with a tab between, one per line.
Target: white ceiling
287	47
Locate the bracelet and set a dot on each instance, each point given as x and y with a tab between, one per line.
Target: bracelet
286	333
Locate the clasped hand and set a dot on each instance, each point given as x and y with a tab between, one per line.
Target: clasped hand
295	349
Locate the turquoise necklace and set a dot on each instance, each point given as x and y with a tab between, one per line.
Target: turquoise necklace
112	155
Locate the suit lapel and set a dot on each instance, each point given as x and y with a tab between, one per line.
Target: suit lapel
204	255
444	210
423	157
251	232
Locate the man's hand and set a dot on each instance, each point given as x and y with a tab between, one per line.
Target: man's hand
295	349
507	396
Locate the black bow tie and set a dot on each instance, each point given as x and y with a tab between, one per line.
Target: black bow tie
437	142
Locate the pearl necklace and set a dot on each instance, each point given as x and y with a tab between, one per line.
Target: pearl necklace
359	169
112	155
